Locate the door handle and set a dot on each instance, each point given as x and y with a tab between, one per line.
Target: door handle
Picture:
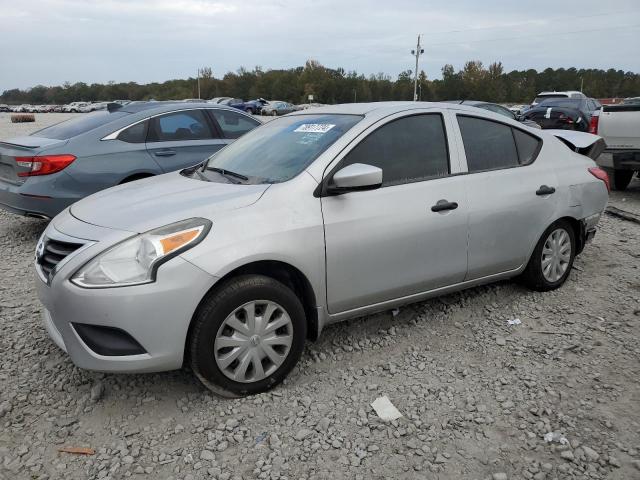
545	190
443	205
164	153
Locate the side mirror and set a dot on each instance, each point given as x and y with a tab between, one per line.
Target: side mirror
354	177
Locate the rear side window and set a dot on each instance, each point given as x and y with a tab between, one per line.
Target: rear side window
409	149
135	133
180	126
79	125
490	145
232	124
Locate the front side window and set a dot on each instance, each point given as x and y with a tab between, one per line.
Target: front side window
232	124
490	145
178	126
408	149
281	149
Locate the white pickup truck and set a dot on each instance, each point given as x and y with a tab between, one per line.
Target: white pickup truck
619	125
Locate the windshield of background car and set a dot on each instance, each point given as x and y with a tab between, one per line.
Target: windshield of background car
281	149
79	125
542	98
562	103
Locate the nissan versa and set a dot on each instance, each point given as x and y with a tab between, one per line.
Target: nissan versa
313	218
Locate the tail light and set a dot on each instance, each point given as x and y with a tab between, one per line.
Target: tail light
44	164
593	124
564	118
602	175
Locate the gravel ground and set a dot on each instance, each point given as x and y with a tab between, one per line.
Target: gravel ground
477	395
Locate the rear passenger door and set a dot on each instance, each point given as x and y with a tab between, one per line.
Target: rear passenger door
183	138
510	194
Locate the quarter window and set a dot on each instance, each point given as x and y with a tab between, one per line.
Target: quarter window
177	126
135	133
407	150
232	124
528	146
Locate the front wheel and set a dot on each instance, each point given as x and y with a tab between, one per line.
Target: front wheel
552	259
247	336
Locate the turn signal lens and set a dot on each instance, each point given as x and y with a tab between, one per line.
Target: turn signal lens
43	164
173	242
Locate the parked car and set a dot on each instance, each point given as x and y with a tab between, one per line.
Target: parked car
564	113
619	125
542	96
313	218
4	108
249	107
74	107
218	99
276	108
255	106
93	107
499	109
43	173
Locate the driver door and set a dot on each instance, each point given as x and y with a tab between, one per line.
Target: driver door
181	139
390	243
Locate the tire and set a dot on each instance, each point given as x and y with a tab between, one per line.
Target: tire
210	359
249	111
619	179
535	276
274	113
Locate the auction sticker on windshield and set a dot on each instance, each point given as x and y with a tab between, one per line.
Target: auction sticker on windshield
314	128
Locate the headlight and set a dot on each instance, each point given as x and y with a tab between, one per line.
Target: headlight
135	260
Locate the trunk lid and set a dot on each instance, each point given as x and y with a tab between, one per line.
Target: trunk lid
27	146
586	144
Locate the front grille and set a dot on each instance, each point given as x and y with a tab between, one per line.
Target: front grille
53	252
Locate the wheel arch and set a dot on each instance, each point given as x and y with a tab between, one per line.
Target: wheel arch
136	176
281	271
578	230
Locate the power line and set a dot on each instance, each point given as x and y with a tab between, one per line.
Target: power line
546	35
530	22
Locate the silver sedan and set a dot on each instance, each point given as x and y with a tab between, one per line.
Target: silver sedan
316	217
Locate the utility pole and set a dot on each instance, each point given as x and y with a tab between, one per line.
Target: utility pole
198	84
581	83
417	52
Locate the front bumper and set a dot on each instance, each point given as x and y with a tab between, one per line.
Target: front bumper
157	315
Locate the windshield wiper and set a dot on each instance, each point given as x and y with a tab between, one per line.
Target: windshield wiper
222	171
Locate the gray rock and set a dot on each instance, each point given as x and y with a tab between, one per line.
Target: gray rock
302	434
614	462
501	341
207	455
592	455
499	476
567	455
97	391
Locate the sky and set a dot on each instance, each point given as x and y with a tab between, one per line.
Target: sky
49	42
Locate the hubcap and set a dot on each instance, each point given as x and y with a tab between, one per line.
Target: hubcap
253	341
556	255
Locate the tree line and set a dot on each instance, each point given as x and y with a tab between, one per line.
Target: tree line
474	82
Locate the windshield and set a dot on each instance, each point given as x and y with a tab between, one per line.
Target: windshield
79	125
281	149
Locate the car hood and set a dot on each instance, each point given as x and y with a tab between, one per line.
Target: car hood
153	202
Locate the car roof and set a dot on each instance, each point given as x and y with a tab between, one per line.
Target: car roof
380	107
158	107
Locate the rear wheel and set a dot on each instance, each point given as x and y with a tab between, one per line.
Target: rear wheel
552	259
619	179
274	113
247	336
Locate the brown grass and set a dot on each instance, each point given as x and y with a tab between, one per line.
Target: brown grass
23	118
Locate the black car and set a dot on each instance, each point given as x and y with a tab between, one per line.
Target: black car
494	107
564	113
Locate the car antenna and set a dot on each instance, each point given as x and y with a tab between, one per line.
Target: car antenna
113	106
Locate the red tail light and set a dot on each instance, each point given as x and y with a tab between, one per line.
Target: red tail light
602	175
593	124
44	164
